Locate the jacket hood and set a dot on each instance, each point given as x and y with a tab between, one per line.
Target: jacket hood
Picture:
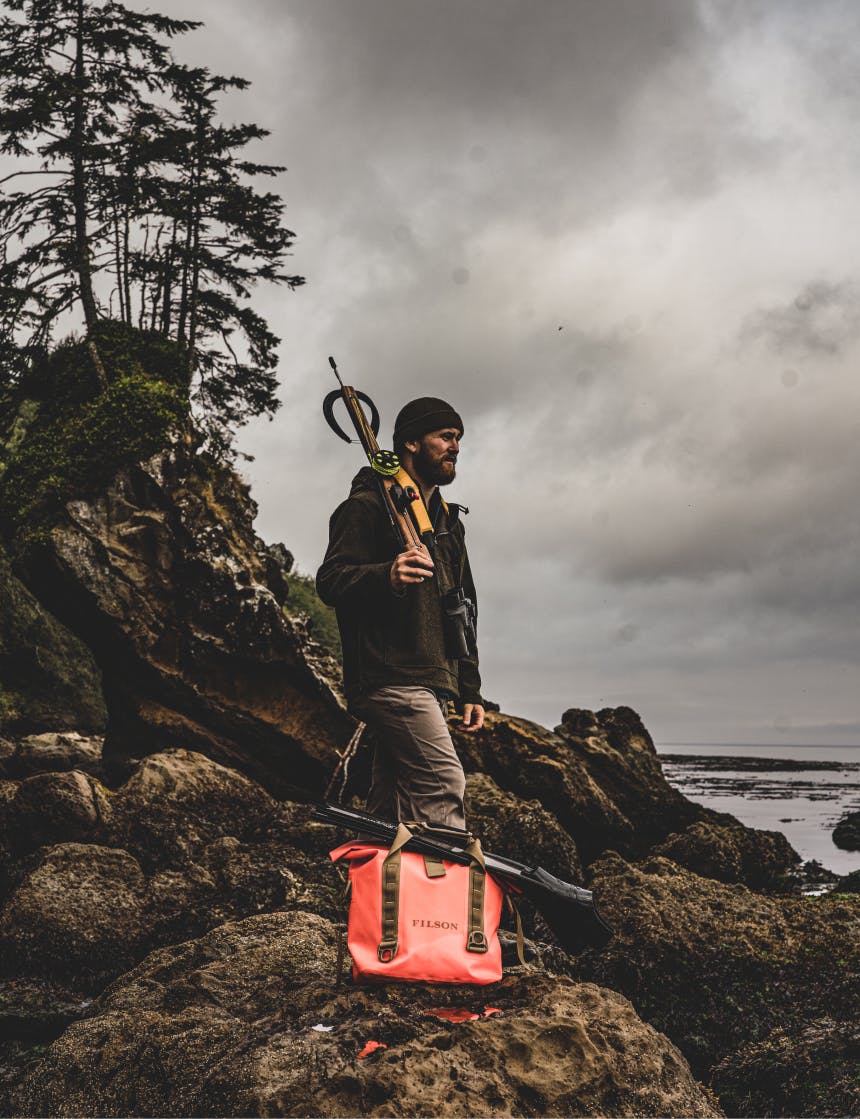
364	480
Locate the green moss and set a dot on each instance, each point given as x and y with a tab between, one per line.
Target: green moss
67	376
321	620
10	707
79	434
125	350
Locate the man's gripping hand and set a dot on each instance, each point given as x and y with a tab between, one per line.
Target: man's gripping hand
473	717
412	566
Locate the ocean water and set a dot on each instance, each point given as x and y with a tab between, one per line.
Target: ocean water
801	791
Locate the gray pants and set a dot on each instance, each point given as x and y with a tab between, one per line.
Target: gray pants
416	772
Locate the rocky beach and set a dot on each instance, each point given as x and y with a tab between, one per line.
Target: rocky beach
169	918
809	793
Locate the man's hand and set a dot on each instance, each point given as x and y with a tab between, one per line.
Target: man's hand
410	567
473	717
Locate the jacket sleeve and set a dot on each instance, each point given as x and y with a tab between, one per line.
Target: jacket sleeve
352	571
470	677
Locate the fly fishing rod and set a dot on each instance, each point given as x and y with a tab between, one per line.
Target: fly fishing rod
406	510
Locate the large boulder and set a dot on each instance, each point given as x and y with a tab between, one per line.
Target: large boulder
179	801
248	1021
808	1071
519	829
164	579
598	774
80	910
732	852
55	808
51	752
619	755
846	834
717	966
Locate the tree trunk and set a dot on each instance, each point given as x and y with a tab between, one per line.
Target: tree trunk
126	257
144	257
168	276
158	278
118	262
186	254
195	247
79	185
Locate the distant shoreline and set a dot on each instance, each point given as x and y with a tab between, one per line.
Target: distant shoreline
665	747
801	791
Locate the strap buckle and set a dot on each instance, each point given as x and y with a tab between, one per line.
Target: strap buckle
477	941
386	951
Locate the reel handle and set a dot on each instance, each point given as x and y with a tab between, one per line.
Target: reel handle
328	412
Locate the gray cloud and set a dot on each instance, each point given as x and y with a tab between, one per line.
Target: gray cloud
662	490
822	319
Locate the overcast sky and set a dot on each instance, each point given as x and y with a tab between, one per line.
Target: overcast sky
621	237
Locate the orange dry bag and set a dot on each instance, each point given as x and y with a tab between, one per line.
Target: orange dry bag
417	917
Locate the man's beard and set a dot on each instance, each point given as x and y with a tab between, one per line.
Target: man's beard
438	473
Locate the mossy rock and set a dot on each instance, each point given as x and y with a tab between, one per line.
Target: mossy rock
321	622
846	834
48	678
79	432
67	375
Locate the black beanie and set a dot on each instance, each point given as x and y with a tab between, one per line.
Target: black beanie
427	413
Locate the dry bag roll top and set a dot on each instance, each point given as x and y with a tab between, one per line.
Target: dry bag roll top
421	918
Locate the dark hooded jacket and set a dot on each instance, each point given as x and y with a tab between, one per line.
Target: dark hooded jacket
391	638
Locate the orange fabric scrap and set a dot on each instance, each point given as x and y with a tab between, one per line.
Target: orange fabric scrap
460	1013
371	1047
453	1014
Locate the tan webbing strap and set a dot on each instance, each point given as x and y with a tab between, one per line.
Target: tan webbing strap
434	866
477	939
443	831
387	949
515	909
521	956
341	952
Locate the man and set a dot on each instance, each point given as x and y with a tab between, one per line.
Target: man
399	673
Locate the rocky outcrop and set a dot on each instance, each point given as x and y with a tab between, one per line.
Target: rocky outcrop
51	752
719	967
247	1021
181	604
846	834
223	901
78	912
48	677
519	829
57	807
598	774
94	878
848	884
762	860
810	1071
178	802
188	848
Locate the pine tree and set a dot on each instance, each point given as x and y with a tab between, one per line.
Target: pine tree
223	236
129	200
71	72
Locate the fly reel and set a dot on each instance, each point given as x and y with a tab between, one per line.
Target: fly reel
385	463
